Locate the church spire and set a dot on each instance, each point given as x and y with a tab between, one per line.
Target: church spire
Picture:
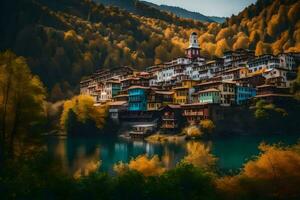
193	51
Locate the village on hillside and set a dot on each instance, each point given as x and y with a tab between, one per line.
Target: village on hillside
189	89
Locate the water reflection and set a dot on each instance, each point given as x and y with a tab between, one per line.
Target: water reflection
199	154
83	156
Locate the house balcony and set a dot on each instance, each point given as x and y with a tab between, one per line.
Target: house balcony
193	113
168	118
169	126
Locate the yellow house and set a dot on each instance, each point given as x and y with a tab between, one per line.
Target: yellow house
258	72
182	94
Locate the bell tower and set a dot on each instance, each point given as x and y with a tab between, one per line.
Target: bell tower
193	51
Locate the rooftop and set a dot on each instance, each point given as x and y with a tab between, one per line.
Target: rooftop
117	103
209	90
138	87
164	92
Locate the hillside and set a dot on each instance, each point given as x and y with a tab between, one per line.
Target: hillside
269	26
65	40
132	6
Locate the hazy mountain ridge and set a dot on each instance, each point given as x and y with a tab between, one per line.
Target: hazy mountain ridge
181	12
131	6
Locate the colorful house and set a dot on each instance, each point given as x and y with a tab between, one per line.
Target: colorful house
209	96
194	113
171	118
183	93
112	88
243	94
158	98
226	88
137	98
274	94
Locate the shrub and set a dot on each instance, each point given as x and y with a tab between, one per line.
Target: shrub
207	126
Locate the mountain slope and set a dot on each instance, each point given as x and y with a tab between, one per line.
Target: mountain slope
131	6
64	40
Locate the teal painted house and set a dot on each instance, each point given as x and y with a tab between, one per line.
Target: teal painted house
116	88
243	94
209	96
137	98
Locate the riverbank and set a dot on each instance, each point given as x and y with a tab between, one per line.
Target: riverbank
159	138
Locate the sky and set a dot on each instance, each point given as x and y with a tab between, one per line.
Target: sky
221	8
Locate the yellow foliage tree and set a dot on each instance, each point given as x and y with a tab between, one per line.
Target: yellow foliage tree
209	47
224	33
147	166
22	101
206	37
294	11
222	46
241	42
262	48
274	174
207	126
83	107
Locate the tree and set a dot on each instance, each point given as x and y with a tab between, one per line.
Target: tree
274	174
207	126
242	42
293	13
143	164
22	98
193	131
222	46
81	109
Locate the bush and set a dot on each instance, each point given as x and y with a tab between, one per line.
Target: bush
193	132
207	126
143	164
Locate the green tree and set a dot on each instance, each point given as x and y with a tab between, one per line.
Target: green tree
22	98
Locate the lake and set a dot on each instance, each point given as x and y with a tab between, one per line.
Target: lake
82	156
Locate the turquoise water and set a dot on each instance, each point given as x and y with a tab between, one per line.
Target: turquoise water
83	156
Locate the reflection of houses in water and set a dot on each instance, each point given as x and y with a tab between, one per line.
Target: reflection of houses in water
121	151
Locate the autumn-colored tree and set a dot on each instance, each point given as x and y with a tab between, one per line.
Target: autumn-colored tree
83	108
274	174
193	131
143	164
222	46
224	33
207	126
242	42
22	98
293	13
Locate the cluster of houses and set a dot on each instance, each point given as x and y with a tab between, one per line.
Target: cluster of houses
191	88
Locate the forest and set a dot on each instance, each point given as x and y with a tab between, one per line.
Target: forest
64	41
